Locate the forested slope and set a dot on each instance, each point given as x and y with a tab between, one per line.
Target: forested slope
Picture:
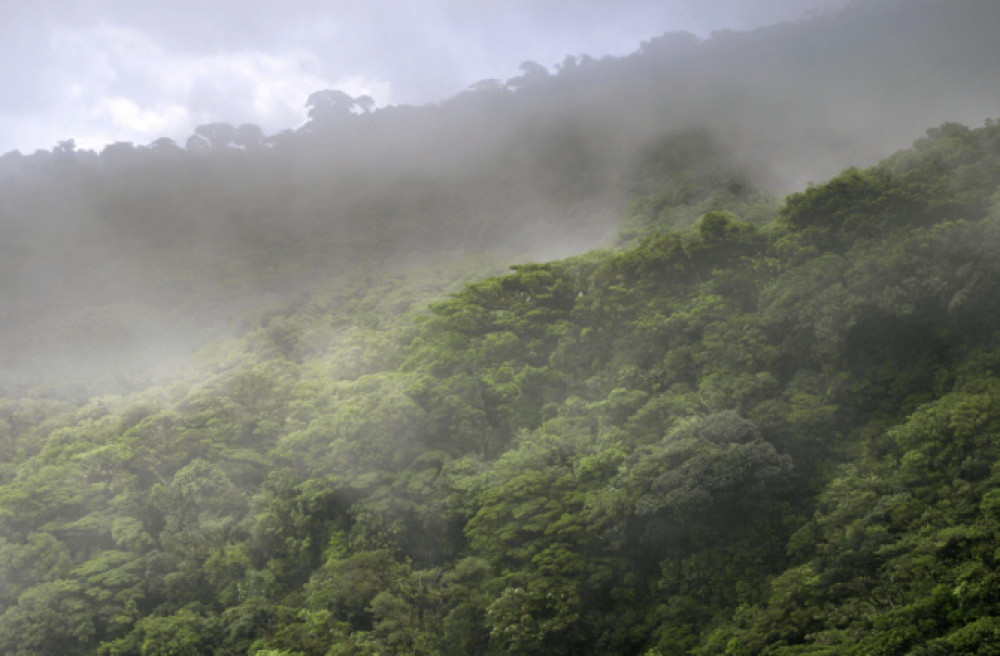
741	437
116	262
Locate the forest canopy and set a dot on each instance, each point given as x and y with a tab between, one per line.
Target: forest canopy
700	418
123	261
732	438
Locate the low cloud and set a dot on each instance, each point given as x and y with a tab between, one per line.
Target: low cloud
111	83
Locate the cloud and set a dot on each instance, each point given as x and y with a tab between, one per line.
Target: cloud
360	85
112	83
258	61
123	113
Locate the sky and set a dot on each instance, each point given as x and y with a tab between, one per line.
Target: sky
101	71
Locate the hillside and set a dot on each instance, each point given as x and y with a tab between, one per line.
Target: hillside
723	440
574	363
123	262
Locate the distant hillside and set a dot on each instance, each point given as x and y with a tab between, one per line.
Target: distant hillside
116	263
730	438
695	417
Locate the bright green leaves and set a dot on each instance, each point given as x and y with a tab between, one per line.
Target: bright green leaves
855	205
190	631
958	437
50	618
586	456
536	620
905	545
40	559
950	175
517	504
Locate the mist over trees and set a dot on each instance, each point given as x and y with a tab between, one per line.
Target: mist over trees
542	165
724	439
744	423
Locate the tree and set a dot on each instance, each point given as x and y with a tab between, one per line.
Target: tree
248	136
533	75
212	136
330	106
50	618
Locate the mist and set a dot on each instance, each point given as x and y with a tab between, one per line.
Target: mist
685	347
120	260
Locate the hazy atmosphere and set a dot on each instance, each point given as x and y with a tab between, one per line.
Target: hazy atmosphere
500	328
198	163
100	71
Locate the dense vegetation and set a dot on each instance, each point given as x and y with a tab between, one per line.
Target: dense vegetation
746	425
738	437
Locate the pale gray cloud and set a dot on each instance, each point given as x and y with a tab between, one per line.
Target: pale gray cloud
109	82
107	70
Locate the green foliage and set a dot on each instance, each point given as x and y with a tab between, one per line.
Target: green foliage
729	439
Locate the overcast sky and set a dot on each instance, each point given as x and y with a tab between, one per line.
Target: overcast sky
100	71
